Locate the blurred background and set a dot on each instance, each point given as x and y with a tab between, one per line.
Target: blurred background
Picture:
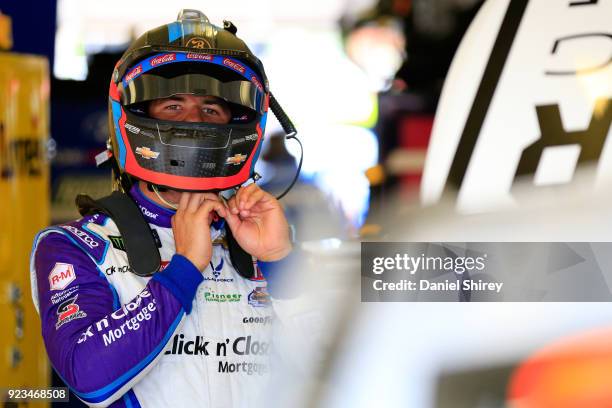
364	81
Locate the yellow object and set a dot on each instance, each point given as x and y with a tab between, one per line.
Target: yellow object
24	209
370	230
375	175
6	33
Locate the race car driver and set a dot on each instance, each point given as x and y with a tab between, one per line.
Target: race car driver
187	106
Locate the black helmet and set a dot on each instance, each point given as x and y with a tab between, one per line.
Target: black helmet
188	56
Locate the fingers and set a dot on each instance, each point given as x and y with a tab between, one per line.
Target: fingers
231	214
232	205
254	197
190	202
211	196
183	202
248	196
244	192
208	206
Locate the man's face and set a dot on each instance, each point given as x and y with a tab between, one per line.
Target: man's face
190	108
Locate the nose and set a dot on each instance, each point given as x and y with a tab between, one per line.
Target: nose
194	114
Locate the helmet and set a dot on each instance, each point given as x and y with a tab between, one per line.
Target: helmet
189	56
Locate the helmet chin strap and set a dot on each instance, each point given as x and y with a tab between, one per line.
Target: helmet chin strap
153	187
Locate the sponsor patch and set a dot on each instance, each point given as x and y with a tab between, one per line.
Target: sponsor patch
61	276
133	314
222	297
263	320
82	236
226	349
251	137
117	242
63	295
259	297
257	83
196	56
190	347
146	153
243	367
68	311
217	269
236	159
133	73
216	272
198	42
163	265
239	119
234	65
120	269
132	128
163	59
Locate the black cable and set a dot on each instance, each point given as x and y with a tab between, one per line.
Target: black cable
291	132
299	168
282	117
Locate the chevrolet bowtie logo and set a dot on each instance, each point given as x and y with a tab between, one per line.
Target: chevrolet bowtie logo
236	159
147	153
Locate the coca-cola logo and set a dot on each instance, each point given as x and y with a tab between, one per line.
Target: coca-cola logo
162	59
257	83
205	57
234	65
133	73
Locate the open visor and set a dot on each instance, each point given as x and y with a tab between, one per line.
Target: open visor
149	87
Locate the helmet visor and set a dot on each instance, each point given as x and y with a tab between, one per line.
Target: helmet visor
149	87
167	74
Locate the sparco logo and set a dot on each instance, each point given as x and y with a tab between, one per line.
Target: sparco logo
233	65
205	57
148	213
133	73
265	320
82	235
162	59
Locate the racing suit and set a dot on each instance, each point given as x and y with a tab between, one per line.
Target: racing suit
180	338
